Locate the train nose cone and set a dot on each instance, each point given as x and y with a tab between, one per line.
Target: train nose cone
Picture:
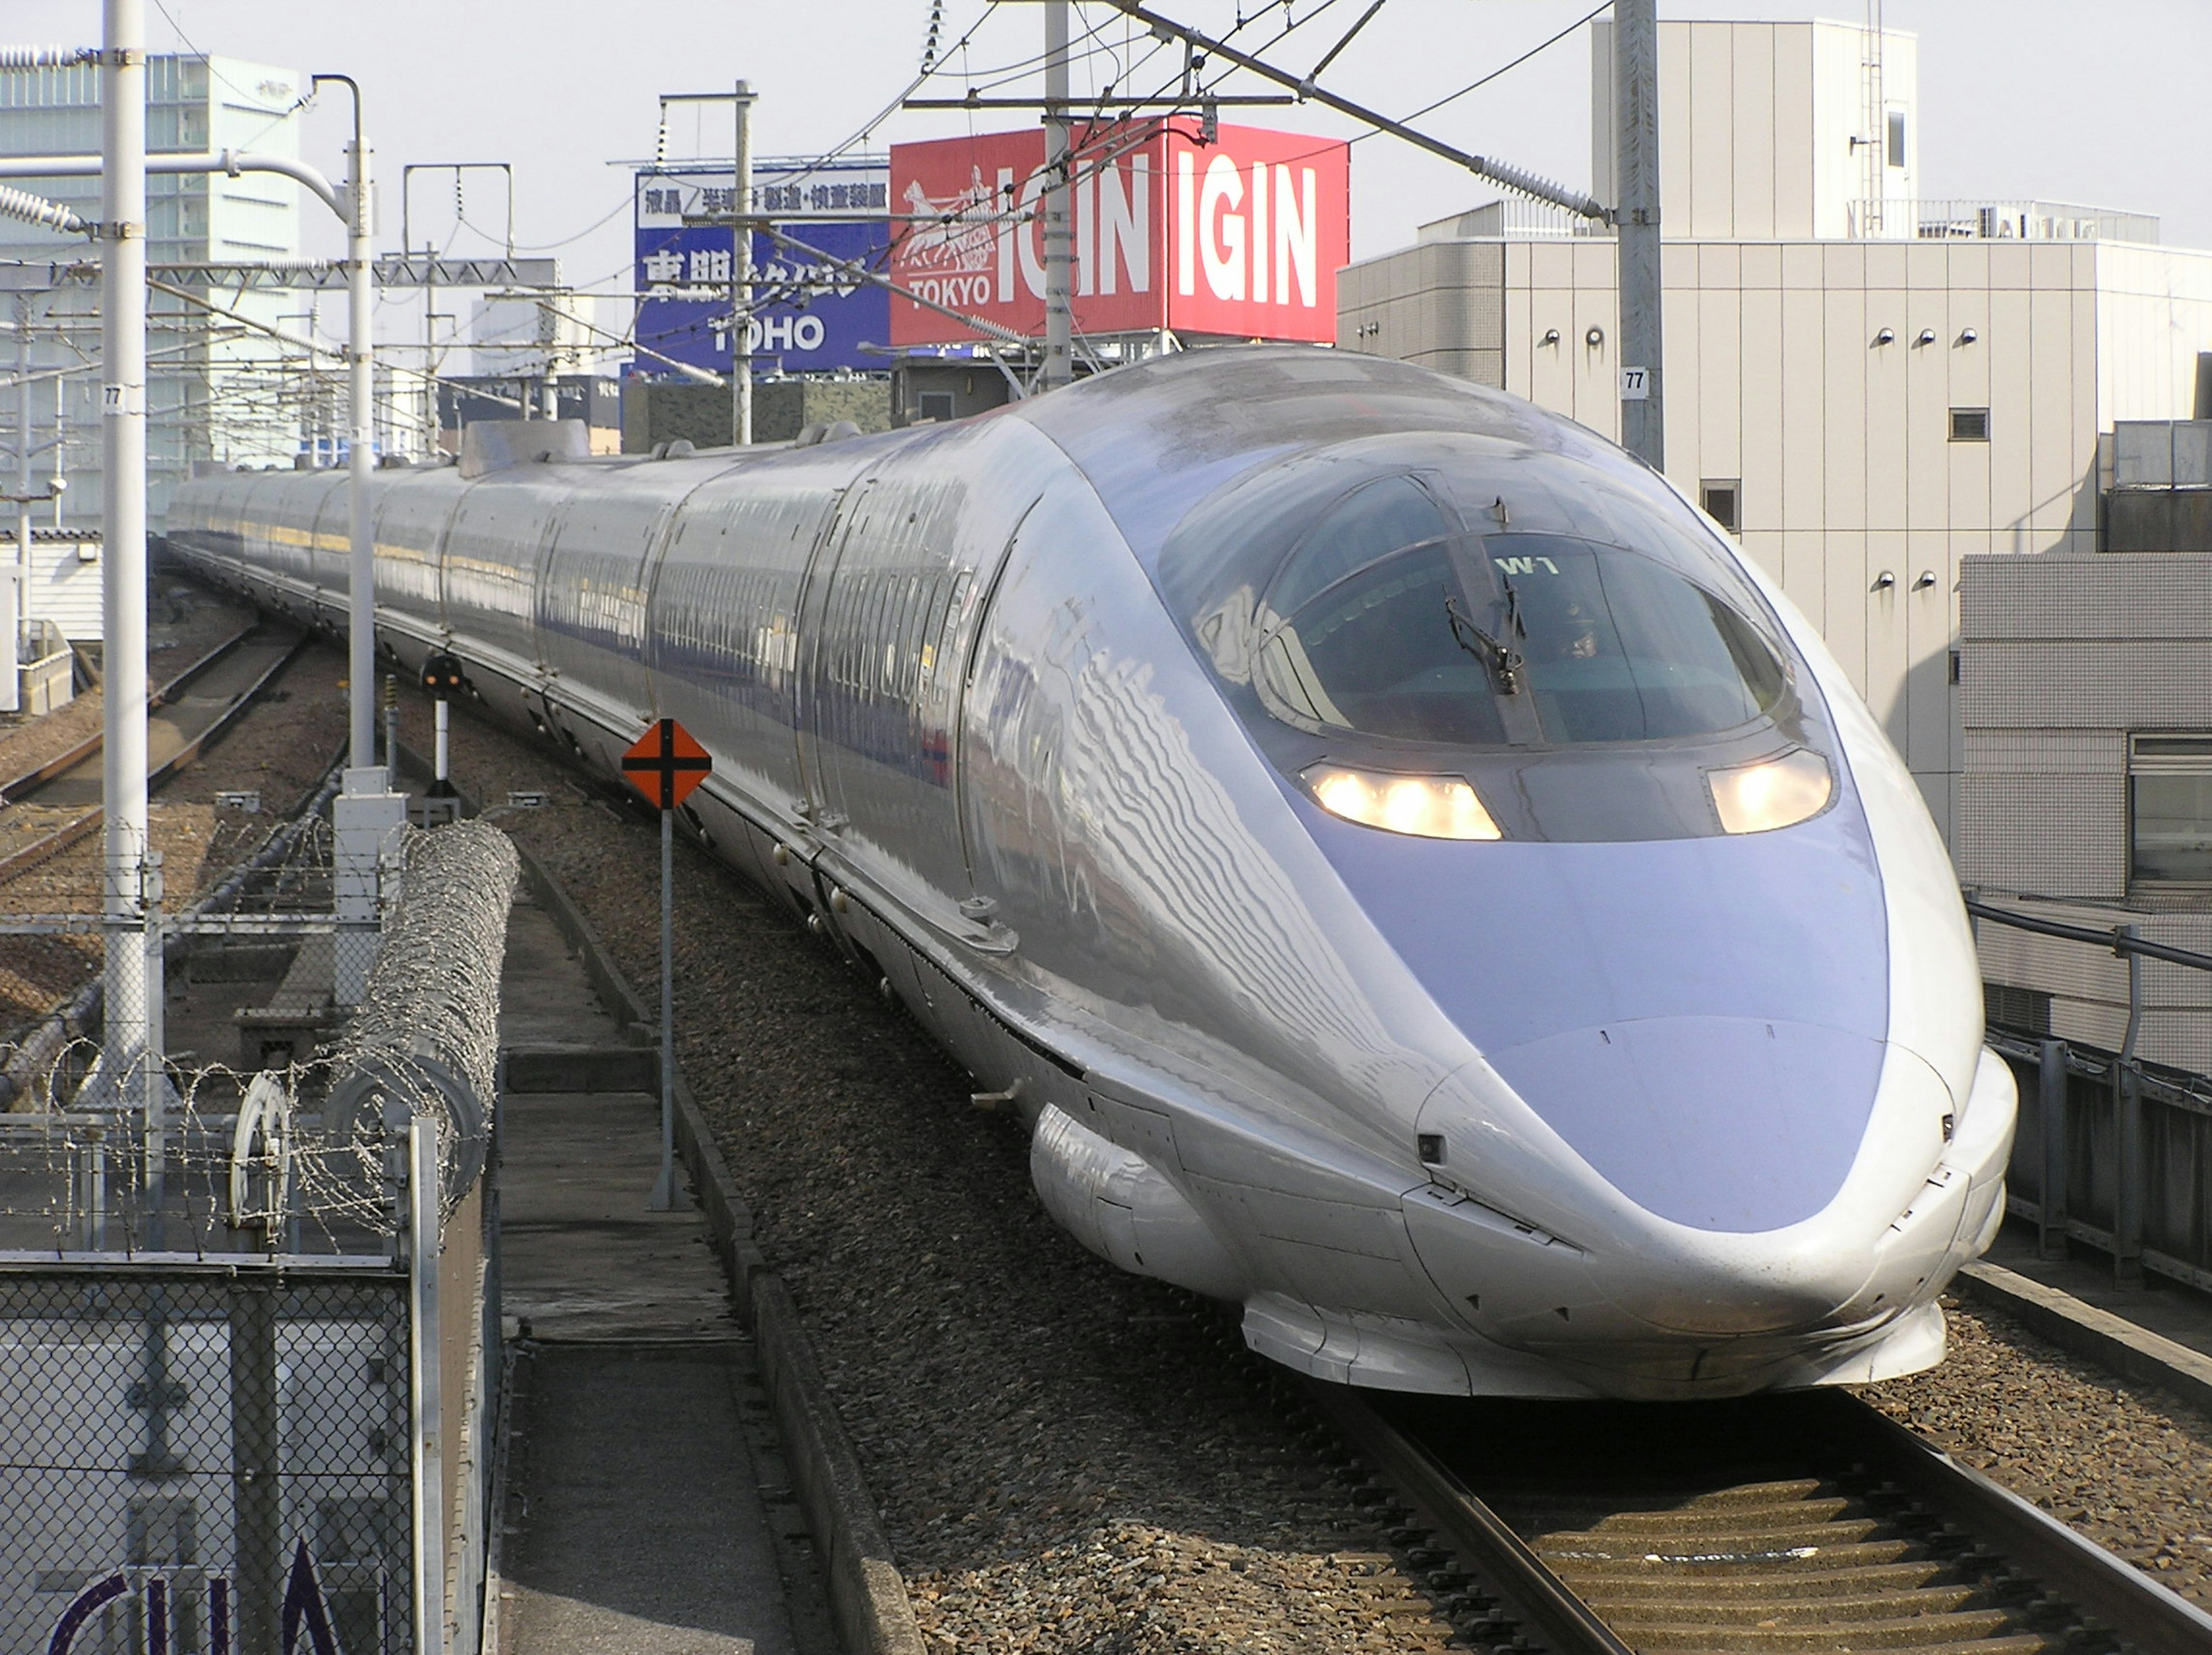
1718	1123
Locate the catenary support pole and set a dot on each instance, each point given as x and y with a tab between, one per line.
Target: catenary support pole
1059	228
664	1193
741	273
360	455
122	553
1636	105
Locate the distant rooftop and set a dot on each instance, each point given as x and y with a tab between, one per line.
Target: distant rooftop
1869	221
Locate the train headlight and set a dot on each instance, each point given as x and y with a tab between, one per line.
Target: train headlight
1430	806
1771	794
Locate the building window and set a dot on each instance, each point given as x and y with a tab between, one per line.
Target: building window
2170	809
1970	425
935	404
1722	499
1897	138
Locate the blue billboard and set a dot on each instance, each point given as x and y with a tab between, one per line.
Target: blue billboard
810	314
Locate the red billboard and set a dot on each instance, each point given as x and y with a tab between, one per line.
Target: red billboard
1241	237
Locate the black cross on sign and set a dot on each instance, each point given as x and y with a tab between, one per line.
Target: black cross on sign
665	763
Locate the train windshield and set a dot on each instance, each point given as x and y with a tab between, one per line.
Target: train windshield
1516	639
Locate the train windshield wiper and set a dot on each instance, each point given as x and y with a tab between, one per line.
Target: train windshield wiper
1501	661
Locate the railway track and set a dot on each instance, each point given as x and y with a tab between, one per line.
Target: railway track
1802	1523
51	807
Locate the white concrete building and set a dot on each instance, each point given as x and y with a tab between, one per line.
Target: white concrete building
1864	386
213	390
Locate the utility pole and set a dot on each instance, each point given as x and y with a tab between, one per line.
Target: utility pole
741	273
1636	106
122	553
1059	226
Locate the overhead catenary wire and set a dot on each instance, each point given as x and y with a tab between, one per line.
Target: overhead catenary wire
1498	172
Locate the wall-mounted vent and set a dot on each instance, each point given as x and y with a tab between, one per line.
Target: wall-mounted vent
1970	425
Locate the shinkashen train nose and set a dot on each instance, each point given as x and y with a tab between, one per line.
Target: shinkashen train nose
1415	875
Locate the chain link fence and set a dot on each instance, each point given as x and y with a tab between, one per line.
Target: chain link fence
248	1304
193	1456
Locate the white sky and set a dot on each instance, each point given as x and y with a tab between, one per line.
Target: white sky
2092	102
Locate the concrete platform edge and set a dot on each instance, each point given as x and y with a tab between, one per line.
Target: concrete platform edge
867	1595
2084	1330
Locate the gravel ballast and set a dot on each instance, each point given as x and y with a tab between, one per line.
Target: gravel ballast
2129	1465
1069	1458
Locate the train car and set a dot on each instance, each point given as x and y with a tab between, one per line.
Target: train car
1414	875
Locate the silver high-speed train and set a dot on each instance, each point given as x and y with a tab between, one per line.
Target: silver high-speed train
1416	878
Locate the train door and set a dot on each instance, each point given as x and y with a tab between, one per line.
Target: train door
891	614
813	683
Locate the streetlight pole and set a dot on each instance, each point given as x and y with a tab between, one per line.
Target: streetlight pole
1636	104
368	814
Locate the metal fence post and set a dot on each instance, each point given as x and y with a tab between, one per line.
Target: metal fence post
2128	1187
424	1387
155	1092
2050	1077
255	1457
495	1315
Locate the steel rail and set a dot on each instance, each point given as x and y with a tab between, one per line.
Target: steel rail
2092	1584
48	846
2154	1619
17	789
1534	1596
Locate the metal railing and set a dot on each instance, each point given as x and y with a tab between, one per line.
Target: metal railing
1997	220
2111	1152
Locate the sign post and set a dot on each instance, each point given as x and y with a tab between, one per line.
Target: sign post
664	764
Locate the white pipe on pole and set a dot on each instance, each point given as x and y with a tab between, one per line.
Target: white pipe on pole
122	553
230	161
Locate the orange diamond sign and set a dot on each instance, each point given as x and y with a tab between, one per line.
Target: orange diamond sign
665	763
